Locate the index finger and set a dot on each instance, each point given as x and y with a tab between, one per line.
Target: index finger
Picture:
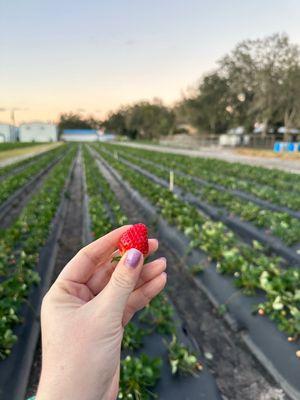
82	266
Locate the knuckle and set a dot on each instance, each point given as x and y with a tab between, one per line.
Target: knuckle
122	280
146	296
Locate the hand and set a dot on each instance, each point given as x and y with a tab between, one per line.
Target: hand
83	316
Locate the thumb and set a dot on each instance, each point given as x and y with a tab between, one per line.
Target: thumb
123	281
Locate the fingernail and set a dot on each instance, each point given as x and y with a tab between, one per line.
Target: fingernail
163	259
133	257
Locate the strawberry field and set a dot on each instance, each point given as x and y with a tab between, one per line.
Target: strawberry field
228	325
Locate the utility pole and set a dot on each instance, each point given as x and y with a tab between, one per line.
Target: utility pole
13	125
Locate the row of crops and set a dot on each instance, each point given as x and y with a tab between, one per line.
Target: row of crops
267	294
21	247
139	371
20	244
234	222
251	267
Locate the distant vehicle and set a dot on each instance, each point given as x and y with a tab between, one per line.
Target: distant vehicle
37	132
239	130
293	131
107	137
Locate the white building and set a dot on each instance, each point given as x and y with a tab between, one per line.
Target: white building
80	135
37	132
8	133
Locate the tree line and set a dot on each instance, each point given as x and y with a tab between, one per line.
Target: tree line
256	84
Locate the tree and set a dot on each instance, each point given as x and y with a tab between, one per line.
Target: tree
75	121
150	120
116	123
144	120
208	109
289	99
259	71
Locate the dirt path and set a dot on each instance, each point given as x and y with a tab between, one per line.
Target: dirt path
238	375
70	242
226	155
11	156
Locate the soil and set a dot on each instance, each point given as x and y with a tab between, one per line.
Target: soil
70	242
238	374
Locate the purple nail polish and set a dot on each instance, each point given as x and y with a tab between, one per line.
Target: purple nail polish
133	258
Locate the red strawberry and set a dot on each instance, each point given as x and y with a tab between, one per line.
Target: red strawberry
135	237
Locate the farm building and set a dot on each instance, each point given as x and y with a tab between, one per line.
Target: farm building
8	133
80	135
37	132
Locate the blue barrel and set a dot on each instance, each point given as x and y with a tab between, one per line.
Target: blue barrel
277	147
291	147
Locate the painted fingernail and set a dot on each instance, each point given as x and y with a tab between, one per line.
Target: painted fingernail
133	257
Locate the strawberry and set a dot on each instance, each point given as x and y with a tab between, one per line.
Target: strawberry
135	237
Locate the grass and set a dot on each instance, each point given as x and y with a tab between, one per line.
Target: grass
267	153
32	150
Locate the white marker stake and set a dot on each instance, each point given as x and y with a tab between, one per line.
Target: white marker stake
171	184
116	155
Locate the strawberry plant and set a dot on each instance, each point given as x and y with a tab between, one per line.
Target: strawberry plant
13	182
11	168
159	315
279	224
20	246
138	374
271	185
104	209
133	337
181	359
138	377
245	263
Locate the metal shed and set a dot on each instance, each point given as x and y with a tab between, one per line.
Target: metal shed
37	132
80	135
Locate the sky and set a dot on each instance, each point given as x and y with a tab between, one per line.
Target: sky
92	56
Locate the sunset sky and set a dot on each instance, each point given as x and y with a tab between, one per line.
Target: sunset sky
94	55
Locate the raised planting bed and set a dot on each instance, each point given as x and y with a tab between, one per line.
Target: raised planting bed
244	229
12	207
181	373
69	243
236	201
208	171
18	166
157	357
27	175
270	346
259	176
28	257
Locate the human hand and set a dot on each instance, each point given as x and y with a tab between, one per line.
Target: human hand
83	316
